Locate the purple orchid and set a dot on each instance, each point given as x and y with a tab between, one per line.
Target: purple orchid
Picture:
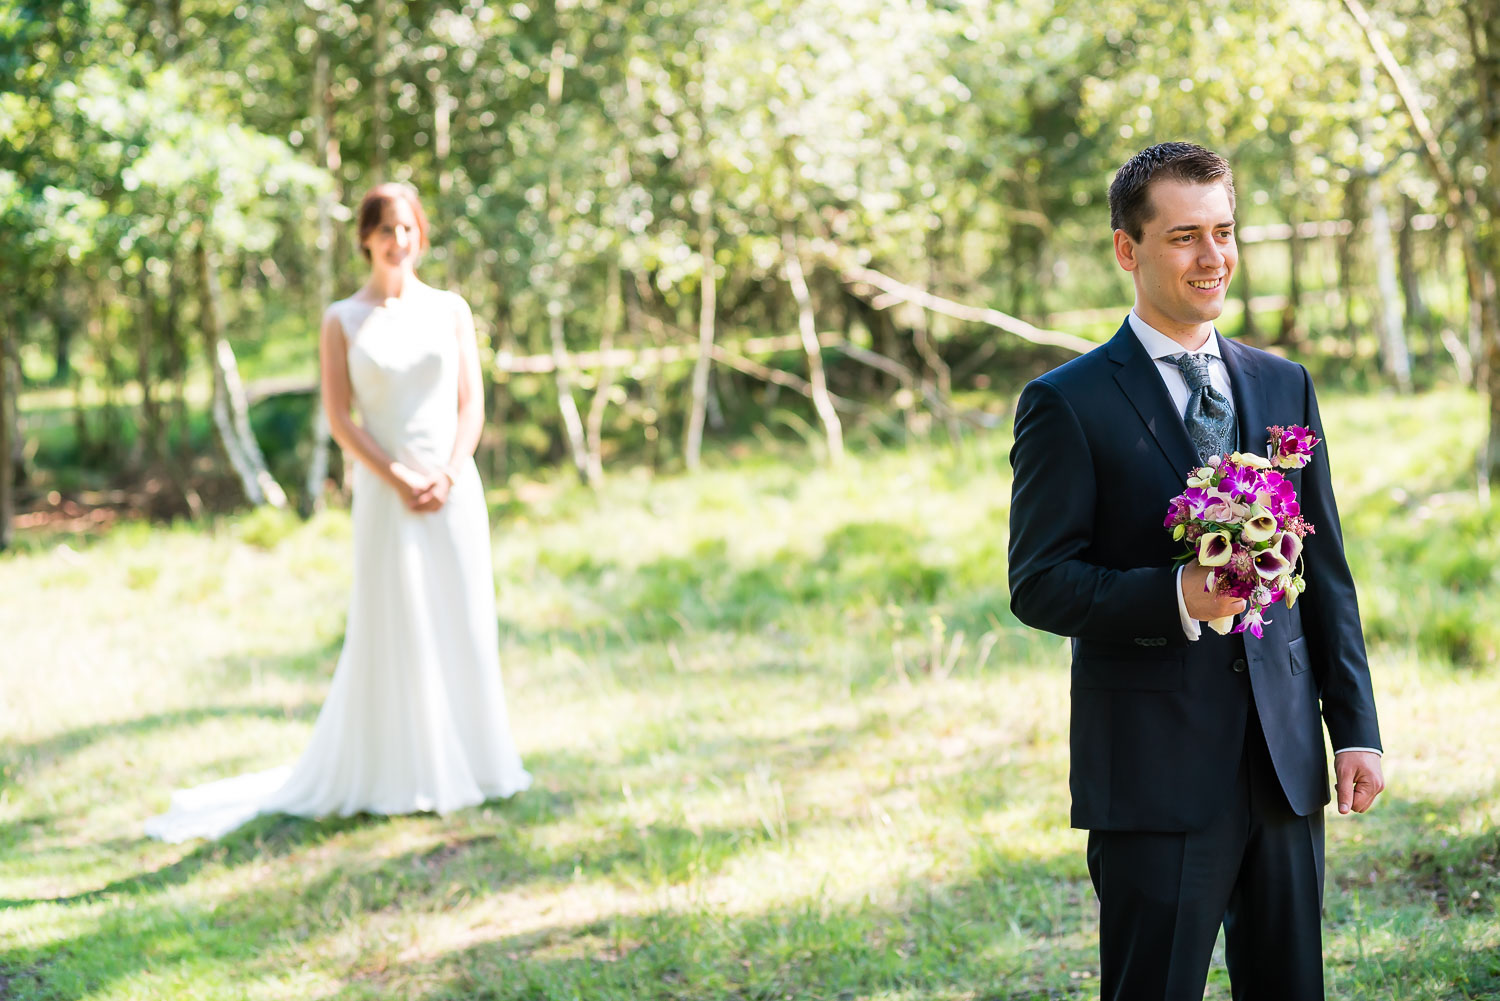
1280	496
1253	622
1242	483
1291	447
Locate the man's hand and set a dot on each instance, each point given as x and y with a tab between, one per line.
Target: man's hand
1358	779
1202	604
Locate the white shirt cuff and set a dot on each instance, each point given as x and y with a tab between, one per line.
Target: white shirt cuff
1190	627
1373	750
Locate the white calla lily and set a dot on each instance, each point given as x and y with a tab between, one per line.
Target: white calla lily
1214	549
1259	527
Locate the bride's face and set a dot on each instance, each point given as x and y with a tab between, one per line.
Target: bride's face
397	241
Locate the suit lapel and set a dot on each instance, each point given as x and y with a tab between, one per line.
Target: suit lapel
1251	408
1143	387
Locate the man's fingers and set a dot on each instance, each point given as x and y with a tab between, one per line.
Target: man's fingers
1366	788
1345	792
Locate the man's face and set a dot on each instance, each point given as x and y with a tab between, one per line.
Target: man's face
1184	259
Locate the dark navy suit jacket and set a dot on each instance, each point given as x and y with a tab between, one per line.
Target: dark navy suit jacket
1158	723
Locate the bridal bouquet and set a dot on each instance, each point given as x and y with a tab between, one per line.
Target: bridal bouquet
1239	516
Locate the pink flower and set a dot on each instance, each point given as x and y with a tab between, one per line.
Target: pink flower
1291	447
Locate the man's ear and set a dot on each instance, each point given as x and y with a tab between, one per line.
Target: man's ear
1125	250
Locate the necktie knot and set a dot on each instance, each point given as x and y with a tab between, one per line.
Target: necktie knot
1194	369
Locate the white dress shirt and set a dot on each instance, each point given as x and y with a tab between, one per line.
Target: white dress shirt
1161	347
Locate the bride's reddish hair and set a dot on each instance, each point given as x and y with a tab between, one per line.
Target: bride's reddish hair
372	208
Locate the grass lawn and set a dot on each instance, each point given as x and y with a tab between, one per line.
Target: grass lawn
789	743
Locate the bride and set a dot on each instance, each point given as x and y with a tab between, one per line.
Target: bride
415	718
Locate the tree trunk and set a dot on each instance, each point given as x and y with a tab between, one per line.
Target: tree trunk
1483	22
505	344
706	318
1406	259
169	19
572	421
1481	259
379	16
231	412
9	434
614	308
151	436
322	97
1393	351
940	385
1354	211
807	327
176	361
1248	331
1290	333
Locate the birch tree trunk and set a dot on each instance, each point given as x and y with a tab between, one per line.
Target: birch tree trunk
231	411
1481	257
706	321
572	421
614	308
807	327
1393	351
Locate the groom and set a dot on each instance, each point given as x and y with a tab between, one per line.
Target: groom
1197	761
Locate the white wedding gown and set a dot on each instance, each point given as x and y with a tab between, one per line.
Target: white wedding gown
415	718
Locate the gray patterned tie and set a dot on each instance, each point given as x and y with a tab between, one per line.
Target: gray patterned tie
1209	417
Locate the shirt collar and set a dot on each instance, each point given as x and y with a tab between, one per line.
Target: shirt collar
1158	345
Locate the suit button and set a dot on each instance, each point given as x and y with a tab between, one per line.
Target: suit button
1239	665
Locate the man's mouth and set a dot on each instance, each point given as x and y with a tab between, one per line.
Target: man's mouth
1208	284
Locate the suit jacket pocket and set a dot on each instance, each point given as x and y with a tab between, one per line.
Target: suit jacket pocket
1162	672
1297	648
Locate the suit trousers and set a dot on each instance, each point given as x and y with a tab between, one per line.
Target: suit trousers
1257	869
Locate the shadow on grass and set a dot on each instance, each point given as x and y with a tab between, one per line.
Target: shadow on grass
29	755
936	934
977	935
1000	925
1412	851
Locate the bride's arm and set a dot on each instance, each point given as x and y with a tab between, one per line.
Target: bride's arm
470	390
337	396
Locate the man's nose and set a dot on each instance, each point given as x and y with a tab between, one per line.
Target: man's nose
1212	255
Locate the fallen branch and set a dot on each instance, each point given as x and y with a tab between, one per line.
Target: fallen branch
973	314
765	373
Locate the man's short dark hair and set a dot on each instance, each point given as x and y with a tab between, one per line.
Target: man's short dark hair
1130	205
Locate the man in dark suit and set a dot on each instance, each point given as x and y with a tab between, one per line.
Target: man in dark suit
1197	761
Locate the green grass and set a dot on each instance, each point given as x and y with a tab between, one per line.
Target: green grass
788	740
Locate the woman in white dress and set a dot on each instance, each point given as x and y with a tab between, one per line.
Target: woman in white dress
415	718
